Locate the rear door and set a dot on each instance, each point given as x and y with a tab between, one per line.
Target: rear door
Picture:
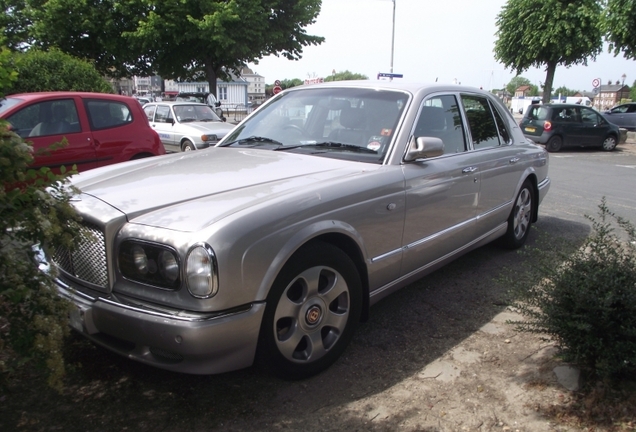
115	135
52	120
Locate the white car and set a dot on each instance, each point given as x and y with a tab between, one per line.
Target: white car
185	126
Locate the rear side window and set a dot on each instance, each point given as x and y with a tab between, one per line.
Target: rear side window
103	114
481	122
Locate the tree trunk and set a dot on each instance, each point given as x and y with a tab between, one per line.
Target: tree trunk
211	75
549	79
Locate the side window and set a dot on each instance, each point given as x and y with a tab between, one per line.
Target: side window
150	112
163	114
589	116
502	128
481	122
46	118
439	117
103	114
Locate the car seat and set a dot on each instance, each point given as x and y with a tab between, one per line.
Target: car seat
352	121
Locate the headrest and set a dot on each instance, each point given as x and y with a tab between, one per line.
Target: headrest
352	118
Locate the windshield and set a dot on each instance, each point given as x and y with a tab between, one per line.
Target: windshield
345	123
191	113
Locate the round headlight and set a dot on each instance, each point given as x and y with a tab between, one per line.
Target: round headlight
140	259
201	272
168	266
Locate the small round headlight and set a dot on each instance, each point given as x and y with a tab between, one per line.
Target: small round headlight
168	266
201	272
140	259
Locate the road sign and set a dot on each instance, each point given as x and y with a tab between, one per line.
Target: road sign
389	75
596	82
277	83
277	89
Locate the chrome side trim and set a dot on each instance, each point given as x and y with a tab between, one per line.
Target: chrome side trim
544	183
439	233
493	210
388	286
386	255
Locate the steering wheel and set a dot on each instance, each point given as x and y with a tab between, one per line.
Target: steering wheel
294	127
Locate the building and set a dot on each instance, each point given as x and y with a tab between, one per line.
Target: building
610	95
522	91
256	85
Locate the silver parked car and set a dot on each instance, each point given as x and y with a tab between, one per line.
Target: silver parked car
185	126
325	200
623	116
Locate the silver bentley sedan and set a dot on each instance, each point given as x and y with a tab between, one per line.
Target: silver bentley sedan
272	245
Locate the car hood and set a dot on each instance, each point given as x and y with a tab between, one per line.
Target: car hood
188	191
220	129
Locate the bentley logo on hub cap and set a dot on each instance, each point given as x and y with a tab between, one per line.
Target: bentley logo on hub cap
313	315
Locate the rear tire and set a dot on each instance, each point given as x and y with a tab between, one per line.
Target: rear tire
554	144
312	311
520	219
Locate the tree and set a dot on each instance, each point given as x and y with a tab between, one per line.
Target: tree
533	33
564	91
345	76
185	40
515	83
619	25
55	71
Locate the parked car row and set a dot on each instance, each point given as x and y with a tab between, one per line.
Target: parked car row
275	243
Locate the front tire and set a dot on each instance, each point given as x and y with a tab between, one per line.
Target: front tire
520	219
187	146
554	144
609	143
312	311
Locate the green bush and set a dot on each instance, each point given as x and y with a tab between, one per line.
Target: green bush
585	300
34	209
55	71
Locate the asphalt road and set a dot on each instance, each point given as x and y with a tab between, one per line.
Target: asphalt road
582	177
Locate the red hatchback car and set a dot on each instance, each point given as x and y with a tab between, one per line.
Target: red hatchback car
101	129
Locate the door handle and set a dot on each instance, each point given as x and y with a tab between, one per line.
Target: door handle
514	160
469	170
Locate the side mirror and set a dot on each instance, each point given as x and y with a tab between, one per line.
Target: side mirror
424	147
217	104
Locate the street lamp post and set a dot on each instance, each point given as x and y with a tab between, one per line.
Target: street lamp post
622	86
392	38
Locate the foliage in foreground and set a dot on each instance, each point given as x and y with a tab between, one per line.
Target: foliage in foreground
586	300
34	209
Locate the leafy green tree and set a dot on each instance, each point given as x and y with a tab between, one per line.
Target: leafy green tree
620	27
632	92
346	76
34	209
564	91
534	33
55	71
15	24
185	40
515	83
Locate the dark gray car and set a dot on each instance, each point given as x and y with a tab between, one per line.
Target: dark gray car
569	125
623	116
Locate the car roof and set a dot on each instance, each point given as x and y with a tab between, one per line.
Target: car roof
412	87
57	94
173	103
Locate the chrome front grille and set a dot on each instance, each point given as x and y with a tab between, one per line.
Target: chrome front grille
87	260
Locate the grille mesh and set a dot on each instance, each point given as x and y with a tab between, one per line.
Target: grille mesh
87	261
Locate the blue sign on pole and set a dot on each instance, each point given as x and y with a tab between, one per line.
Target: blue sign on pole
389	75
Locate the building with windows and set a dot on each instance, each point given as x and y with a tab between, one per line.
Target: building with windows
256	85
610	95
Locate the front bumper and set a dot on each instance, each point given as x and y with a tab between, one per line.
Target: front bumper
196	343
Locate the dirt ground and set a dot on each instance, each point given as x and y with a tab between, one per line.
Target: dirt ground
435	356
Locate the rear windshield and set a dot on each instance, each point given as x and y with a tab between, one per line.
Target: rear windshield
538	113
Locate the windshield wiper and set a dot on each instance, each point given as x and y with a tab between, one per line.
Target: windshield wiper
253	139
346	147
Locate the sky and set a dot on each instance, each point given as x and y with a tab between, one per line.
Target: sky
444	40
